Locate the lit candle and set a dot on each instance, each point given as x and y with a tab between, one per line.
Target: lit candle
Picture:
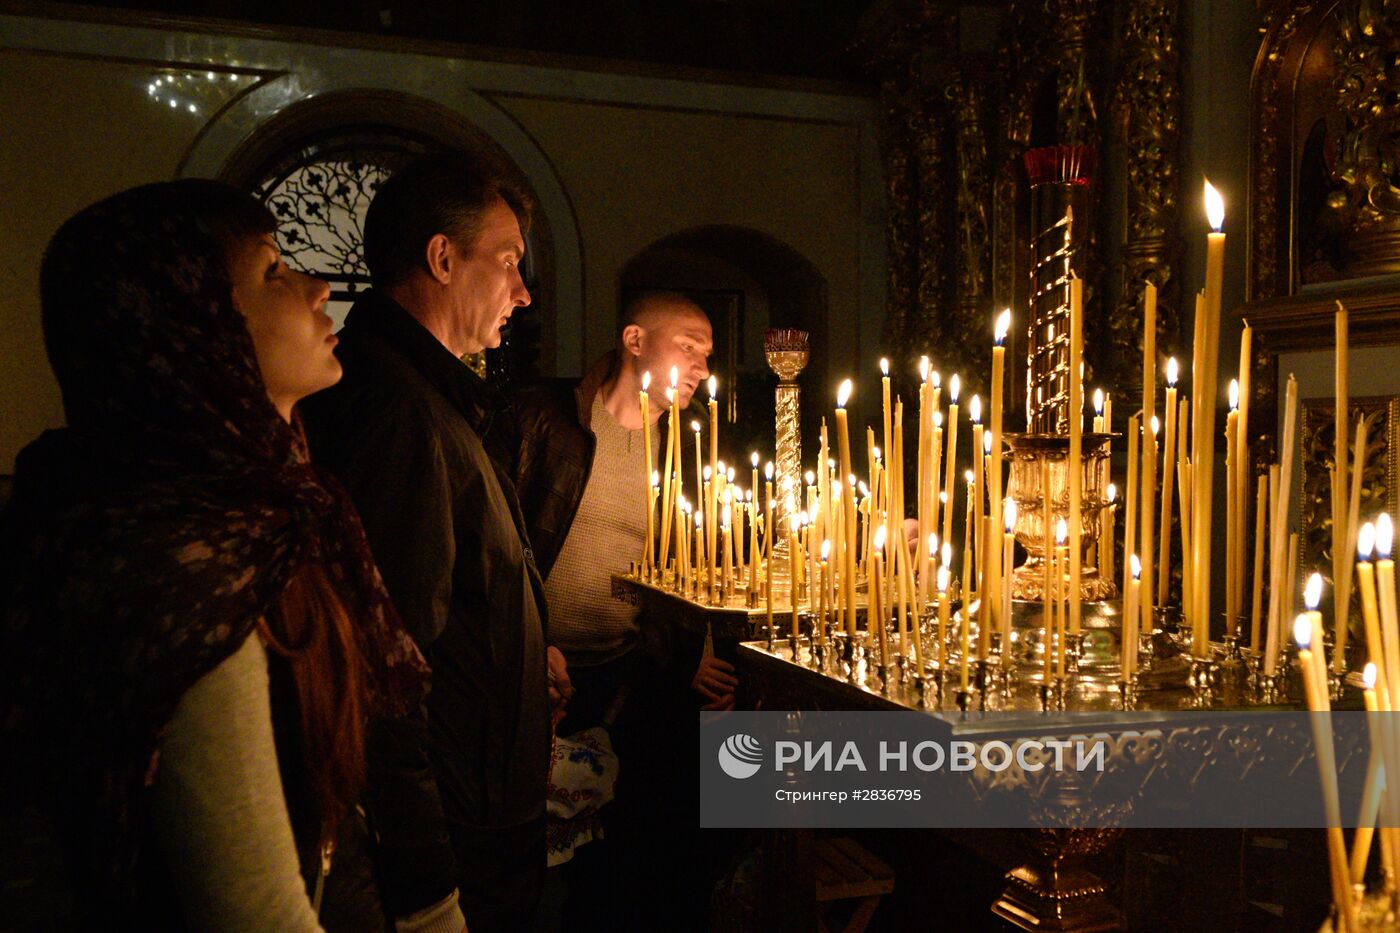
1203	433
1169	456
1232	455
1076	448
671	454
1370	802
1314	686
943	575
653	496
1390	628
726	523
994	571
710	504
843	446
1108	411
1128	663
951	455
1098	411
921	474
937	496
822	611
644	398
1366	578
700	547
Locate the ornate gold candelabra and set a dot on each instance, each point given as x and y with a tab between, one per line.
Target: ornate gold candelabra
787	353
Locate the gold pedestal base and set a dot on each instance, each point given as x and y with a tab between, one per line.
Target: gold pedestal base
1057	896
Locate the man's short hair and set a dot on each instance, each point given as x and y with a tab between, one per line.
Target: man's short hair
447	193
645	305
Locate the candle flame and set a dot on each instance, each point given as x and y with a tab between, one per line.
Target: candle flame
987	443
646	380
1061	532
706	474
967	475
1009	515
695	426
675	376
875	451
1234	394
748	495
795	523
826	549
713	385
699	518
943	496
1302	631
1368	676
923	368
768	471
1312	593
945	555
932	545
843	394
1366	541
1112	492
729	474
851	479
864	489
1215	208
1384	534
935	378
1156	425
879	543
656	477
728	496
1172	371
974	409
1098	401
1003	325
943	579
753	458
811	478
954	385
884	366
1135	566
938	419
726	516
719	465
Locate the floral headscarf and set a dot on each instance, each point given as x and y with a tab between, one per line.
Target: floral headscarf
145	540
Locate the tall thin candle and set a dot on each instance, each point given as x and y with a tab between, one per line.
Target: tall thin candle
1169	455
843	446
1076	448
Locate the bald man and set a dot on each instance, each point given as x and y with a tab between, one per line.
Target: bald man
584	494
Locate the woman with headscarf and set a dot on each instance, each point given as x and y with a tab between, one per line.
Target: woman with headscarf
185	595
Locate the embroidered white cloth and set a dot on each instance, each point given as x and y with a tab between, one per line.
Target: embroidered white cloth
582	775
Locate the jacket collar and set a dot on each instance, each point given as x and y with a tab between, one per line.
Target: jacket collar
379	315
592	383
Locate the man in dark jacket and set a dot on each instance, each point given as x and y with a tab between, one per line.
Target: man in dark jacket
581	476
411	430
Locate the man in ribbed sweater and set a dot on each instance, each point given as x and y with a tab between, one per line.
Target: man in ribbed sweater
582	488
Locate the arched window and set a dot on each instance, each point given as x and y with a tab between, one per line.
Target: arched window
318	164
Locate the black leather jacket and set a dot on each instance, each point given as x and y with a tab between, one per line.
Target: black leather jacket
413	433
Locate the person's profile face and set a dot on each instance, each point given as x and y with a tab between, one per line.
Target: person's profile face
486	280
285	314
678	336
